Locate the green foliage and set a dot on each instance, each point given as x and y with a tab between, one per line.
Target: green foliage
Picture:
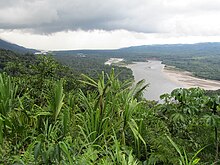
56	103
8	91
184	160
46	120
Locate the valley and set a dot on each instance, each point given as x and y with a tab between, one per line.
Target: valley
113	82
60	102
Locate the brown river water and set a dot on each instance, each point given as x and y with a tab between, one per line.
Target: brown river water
152	73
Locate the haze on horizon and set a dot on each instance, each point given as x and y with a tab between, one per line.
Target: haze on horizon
98	24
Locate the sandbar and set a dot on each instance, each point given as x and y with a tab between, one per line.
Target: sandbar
188	80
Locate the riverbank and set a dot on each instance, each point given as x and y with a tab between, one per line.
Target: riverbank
163	79
113	61
187	80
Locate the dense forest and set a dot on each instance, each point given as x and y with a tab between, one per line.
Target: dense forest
202	59
92	65
54	114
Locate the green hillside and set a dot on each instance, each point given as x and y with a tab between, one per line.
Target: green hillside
49	115
13	47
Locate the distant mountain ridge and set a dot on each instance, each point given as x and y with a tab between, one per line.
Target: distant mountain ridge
194	47
14	47
180	49
137	53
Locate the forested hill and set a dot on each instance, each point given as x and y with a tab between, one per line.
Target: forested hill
10	46
76	66
8	56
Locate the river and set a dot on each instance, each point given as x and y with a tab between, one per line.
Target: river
152	72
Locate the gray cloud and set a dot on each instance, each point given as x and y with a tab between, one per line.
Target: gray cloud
149	16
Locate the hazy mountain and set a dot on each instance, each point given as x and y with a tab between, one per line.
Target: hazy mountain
178	49
194	48
148	48
201	49
13	47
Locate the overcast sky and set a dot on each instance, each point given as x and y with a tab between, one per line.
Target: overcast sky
99	24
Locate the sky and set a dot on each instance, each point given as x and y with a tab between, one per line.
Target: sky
108	24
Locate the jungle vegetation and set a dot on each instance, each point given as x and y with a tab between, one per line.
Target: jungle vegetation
50	116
